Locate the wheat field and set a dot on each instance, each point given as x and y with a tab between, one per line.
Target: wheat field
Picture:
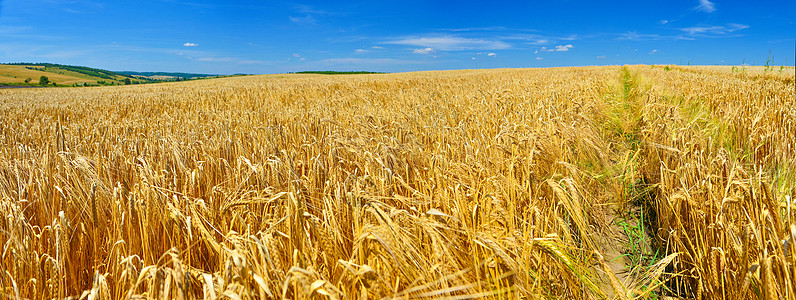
618	182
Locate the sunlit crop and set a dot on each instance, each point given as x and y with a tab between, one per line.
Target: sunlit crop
584	183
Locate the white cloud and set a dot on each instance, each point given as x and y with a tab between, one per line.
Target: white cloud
559	48
222	59
563	48
230	60
493	54
600	56
714	30
305	20
490	28
653	51
663	22
377	47
361	51
309	15
539	58
423	51
706	6
308	9
473	58
451	43
538	39
189	44
296	55
540	42
571	37
635	36
366	61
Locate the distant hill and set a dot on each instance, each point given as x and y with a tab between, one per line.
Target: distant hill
22	74
29	74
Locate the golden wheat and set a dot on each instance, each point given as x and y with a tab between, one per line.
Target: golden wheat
455	184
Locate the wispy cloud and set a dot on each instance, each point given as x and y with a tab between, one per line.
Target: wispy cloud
377	47
559	48
14	29
451	43
538	39
493	54
532	39
188	54
129	50
491	28
305	20
366	61
600	56
308	15
215	59
361	51
73	6
26	32
706	6
189	44
504	34
570	38
423	51
63	54
539	58
297	56
230	60
308	9
713	31
189	3
653	51
635	36
563	48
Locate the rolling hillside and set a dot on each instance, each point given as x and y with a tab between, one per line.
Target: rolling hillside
17	74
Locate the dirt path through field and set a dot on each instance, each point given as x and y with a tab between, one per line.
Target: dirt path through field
625	245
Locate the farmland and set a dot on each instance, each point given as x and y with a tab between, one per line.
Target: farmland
11	74
579	183
24	74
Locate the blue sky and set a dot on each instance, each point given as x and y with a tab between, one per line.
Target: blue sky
226	37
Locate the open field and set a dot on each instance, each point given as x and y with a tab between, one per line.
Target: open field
576	183
18	74
66	75
15	74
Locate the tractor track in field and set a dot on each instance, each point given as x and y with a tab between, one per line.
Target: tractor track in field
625	247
